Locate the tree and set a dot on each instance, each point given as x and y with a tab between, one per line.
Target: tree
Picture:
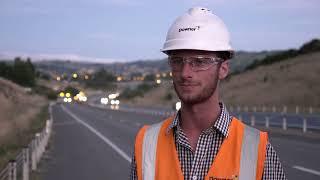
23	72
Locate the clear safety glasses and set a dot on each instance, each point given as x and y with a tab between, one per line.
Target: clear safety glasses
197	63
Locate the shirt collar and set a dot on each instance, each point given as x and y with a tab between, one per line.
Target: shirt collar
222	123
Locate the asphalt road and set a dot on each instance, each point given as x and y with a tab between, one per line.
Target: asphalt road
92	143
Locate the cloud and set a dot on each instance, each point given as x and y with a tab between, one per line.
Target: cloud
71	57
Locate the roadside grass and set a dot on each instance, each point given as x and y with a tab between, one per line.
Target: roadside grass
21	138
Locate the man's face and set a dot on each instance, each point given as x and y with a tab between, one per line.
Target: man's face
193	85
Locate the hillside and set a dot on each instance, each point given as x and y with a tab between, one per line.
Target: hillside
292	82
17	109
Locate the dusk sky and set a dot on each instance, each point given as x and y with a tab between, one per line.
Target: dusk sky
127	30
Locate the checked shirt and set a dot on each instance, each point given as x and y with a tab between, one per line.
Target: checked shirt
195	164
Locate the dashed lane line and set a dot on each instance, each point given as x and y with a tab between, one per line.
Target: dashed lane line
102	137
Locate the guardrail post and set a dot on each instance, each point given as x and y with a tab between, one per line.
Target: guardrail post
37	148
239	108
240	117
285	109
284	123
304	126
231	108
274	109
267	122
25	165
12	170
253	121
297	110
33	155
310	110
284	119
246	109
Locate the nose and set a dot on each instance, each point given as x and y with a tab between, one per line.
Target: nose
186	71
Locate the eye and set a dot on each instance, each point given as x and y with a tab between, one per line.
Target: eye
176	60
200	62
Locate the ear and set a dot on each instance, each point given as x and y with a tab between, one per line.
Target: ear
224	70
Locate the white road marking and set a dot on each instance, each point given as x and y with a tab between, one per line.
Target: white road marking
64	123
307	170
105	139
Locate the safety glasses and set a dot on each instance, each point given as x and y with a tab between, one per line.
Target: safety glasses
197	63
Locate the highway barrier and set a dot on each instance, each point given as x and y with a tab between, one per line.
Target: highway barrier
304	118
298	117
27	160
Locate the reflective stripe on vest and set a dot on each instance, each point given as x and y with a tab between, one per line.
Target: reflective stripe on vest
149	151
249	153
249	156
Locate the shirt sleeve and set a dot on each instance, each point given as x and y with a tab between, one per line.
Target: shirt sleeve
133	170
272	167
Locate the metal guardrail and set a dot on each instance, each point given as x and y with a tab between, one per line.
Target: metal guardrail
268	116
26	161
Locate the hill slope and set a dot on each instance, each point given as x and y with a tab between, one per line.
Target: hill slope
291	82
17	108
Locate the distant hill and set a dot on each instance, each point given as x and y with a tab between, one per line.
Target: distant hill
241	60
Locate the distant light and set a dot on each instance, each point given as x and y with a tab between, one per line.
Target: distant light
58	78
104	100
74	75
170	74
158	81
69	100
83	98
119	78
86	77
68	95
117	102
164	75
61	94
178	105
65	99
158	75
113	96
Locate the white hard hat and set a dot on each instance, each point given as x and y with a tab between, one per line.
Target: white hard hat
198	29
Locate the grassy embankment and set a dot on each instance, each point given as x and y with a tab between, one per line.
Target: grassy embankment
22	115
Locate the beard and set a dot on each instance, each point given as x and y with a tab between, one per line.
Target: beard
208	89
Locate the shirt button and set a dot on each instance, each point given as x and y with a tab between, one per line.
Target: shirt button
194	177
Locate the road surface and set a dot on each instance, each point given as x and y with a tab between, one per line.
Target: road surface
93	143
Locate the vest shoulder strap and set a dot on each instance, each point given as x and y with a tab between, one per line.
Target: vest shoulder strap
149	148
249	153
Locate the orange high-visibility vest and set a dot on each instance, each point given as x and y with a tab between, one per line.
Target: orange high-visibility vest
240	157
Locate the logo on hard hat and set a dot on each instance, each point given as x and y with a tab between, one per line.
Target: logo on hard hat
189	29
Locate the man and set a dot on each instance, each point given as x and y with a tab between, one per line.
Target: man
202	141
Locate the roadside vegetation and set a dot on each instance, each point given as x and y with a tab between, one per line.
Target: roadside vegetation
24	106
309	47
